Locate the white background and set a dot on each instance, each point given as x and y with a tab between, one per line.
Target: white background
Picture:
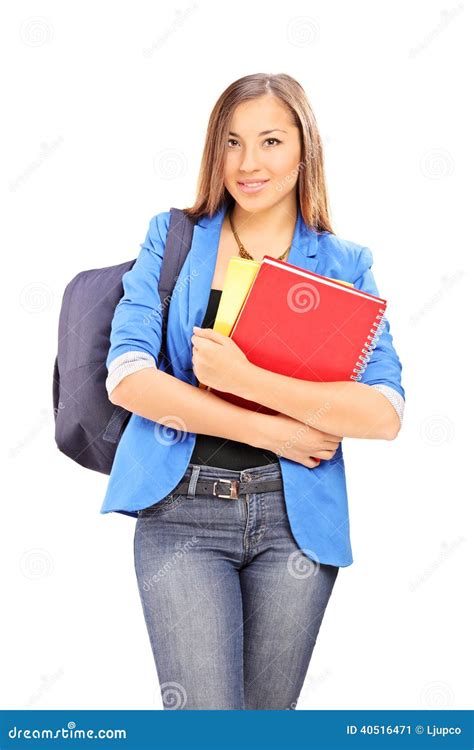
105	112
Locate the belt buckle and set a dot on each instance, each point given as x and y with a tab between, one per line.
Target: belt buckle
234	490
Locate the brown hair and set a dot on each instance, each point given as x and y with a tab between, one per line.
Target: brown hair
312	194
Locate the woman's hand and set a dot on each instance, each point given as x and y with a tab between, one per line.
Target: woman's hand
289	438
218	362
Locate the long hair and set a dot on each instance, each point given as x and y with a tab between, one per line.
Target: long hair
311	191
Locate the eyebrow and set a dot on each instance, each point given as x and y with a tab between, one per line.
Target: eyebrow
264	132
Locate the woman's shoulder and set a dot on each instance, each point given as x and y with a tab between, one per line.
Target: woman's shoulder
343	256
159	224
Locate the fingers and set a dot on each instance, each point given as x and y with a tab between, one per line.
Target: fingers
332	438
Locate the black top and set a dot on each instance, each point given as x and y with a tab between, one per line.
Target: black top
217	451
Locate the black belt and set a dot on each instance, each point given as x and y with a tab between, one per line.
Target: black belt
230	488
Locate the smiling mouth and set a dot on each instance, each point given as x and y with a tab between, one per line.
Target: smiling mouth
252	187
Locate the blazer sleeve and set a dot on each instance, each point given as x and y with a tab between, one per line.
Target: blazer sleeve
384	365
137	320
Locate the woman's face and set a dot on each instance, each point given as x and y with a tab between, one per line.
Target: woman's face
272	157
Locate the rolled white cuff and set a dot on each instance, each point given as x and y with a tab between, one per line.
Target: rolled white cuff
124	365
397	401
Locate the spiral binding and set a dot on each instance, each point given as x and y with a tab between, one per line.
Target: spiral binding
370	344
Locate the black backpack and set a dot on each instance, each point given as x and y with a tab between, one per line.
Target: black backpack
88	426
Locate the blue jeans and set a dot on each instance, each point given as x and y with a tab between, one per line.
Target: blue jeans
232	606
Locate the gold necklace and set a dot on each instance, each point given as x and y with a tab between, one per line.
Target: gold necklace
242	251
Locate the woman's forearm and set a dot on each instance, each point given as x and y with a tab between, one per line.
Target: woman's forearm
162	398
343	408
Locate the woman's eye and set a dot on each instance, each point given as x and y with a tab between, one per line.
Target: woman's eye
276	140
273	139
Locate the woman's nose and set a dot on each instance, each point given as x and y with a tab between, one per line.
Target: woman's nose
249	161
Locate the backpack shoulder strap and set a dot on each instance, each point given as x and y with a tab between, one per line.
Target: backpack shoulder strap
178	243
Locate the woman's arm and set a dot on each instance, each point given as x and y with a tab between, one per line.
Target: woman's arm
161	397
368	408
345	408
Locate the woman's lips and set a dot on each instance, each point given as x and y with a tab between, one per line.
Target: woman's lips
253	187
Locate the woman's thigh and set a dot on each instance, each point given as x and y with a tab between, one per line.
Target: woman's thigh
284	597
188	579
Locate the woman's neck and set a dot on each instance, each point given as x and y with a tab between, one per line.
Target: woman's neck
266	232
275	220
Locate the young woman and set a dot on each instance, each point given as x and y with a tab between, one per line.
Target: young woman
242	520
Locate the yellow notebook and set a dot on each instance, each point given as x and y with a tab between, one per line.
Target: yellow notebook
237	282
238	279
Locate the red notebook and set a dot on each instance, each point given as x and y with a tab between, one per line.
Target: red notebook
298	323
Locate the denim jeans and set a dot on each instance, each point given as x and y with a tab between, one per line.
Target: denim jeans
232	606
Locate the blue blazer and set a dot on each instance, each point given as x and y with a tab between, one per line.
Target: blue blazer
151	458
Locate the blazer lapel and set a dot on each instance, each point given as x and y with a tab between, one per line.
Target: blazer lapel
304	245
192	290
